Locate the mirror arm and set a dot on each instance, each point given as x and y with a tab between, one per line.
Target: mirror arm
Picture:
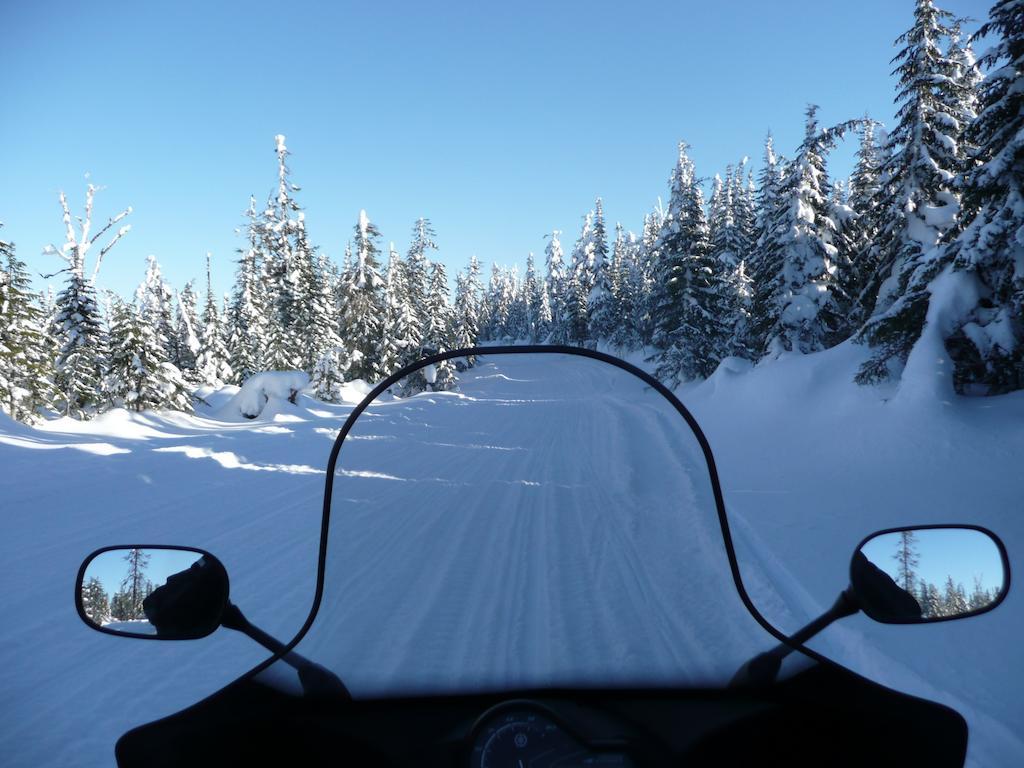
233	618
316	680
764	668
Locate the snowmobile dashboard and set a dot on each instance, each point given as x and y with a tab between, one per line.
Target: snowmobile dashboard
824	715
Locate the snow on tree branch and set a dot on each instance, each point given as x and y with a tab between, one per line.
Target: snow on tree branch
76	245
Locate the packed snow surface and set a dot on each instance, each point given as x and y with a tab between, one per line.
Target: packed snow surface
809	464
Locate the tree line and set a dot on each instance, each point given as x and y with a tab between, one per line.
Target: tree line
921	245
951	600
126	603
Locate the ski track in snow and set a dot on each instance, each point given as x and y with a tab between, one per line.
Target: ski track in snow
430	585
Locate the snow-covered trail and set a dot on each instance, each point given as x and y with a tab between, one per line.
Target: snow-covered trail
810	464
553	522
69	692
428	581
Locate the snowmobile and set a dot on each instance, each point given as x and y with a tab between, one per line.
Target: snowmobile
537	568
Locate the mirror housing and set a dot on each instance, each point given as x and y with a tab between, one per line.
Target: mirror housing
156	592
927	573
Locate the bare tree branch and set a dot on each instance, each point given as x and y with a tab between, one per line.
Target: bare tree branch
69	230
103	252
90	193
76	248
58	272
110	223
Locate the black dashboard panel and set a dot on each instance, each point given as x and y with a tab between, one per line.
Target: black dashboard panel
556	734
823	716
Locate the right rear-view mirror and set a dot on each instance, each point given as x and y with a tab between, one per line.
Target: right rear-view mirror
929	573
157	592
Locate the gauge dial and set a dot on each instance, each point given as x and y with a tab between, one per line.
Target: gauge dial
518	736
520	739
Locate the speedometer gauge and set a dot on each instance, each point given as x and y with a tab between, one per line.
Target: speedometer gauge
525	738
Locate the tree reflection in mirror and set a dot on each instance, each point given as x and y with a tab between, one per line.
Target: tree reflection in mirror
928	574
161	592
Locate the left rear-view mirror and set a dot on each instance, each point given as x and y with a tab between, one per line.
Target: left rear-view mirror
929	573
155	592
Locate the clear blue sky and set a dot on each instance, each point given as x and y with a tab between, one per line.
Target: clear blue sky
964	555
497	121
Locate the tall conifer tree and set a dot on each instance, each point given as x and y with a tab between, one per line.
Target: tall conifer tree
921	203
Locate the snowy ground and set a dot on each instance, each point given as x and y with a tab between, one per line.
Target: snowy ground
809	463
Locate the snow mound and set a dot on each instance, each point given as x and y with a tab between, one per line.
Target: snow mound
277	388
354	391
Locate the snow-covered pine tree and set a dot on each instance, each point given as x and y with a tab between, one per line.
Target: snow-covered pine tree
495	311
280	231
645	258
48	307
929	599
82	357
682	225
363	311
532	299
247	320
907	559
920	199
401	337
467	308
766	260
212	364
843	239
732	226
968	77
445	378
77	325
556	280
623	332
156	304
315	320
544	318
26	368
516	325
95	601
954	598
135	584
413	329
186	333
802	296
440	334
329	374
693	330
464	330
739	305
719	209
744	212
865	224
987	346
579	283
598	252
979	596
330	368
138	376
601	309
327	312
418	266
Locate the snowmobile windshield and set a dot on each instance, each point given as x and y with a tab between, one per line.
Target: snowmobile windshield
532	520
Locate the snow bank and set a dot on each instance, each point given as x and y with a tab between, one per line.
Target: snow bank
274	388
928	374
354	391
